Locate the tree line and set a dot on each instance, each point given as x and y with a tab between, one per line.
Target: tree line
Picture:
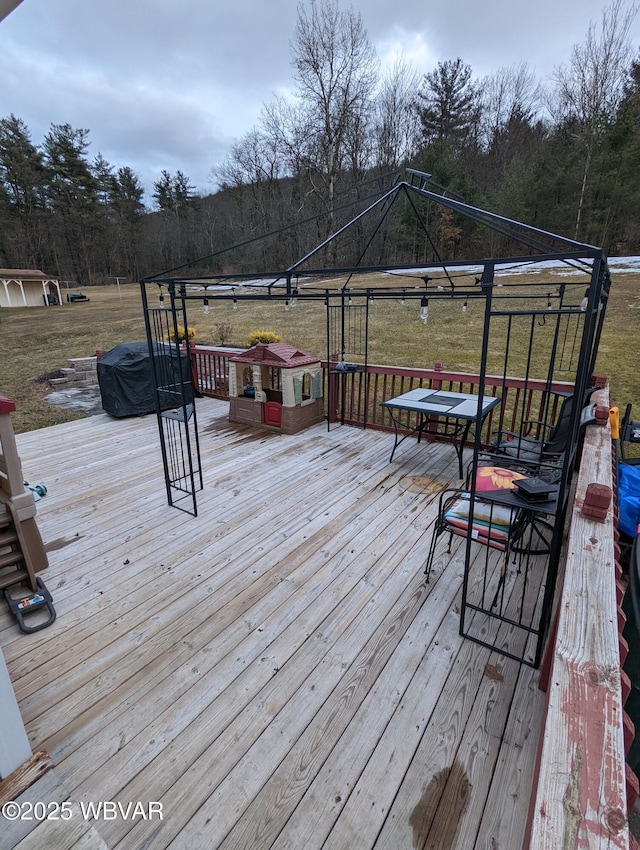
561	156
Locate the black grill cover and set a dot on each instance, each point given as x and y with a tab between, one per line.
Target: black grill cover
125	376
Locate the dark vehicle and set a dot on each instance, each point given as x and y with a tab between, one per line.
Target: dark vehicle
76	296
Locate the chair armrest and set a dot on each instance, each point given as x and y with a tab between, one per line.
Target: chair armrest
538	422
449	496
511	436
500	434
526	430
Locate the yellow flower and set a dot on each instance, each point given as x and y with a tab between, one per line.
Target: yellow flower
496	478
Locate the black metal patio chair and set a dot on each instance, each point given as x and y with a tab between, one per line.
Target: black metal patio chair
515	532
554	437
547	452
490	524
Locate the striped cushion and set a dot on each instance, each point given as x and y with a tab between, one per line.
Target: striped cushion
490	524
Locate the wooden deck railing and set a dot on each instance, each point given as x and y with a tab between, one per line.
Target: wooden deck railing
580	795
354	398
210	366
358	401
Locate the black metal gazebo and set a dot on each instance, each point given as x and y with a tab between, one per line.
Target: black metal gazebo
552	324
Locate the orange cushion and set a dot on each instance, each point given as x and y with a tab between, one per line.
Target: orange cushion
496	478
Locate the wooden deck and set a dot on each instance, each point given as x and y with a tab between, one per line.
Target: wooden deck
275	672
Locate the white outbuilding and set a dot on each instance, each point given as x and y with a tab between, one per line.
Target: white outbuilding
28	288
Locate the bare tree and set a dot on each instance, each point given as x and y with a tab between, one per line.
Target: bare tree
590	89
252	160
292	132
396	131
335	68
510	92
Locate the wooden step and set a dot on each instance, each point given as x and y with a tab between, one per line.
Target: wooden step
14	577
7	538
14	564
10	559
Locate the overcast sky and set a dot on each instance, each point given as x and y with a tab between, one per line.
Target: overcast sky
170	85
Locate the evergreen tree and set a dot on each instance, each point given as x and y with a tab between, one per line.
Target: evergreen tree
177	204
449	105
23	190
73	196
128	212
173	195
620	172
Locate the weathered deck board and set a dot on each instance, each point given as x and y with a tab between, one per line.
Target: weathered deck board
168	603
504	819
59	833
275	671
585	803
322	589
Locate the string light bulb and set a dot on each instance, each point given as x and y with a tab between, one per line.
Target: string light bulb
235	300
464	306
161	300
293	301
585	301
424	309
205	307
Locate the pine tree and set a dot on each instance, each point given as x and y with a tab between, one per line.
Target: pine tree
449	105
23	189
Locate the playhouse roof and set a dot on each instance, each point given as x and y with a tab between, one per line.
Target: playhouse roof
277	354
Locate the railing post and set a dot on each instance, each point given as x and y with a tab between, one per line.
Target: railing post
194	366
437	382
333	390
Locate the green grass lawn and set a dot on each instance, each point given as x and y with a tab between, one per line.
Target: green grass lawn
37	341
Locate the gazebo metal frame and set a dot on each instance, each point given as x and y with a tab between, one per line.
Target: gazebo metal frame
564	318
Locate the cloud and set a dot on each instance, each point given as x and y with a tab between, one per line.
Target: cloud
408	47
166	85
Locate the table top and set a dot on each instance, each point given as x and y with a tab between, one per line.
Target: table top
443	403
510	499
